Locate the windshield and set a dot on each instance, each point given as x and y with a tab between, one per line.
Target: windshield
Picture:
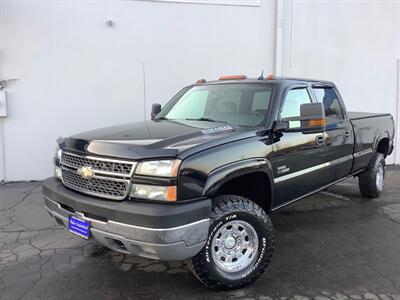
239	104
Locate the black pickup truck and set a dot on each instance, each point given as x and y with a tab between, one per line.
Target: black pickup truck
200	178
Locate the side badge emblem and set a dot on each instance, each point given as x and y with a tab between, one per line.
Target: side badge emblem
283	169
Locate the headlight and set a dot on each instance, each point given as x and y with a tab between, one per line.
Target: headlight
57	157
161	168
58	152
153	192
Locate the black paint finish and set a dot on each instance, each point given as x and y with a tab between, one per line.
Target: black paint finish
144	214
211	159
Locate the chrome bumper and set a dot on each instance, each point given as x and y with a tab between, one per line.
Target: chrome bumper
175	243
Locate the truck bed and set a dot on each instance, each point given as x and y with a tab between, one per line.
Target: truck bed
364	115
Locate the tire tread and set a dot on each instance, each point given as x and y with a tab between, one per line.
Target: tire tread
224	205
366	180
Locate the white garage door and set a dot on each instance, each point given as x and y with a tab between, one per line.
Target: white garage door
72	75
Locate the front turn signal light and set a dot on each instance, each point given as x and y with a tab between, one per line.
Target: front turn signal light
153	192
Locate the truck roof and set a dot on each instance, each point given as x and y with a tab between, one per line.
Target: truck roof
269	79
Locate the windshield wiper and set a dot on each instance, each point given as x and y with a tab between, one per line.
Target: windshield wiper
205	119
162	118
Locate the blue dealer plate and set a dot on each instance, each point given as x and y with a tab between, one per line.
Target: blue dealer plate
79	227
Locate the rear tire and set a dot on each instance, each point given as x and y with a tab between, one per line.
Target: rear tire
371	181
239	246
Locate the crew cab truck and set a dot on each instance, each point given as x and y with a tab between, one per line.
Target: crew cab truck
200	178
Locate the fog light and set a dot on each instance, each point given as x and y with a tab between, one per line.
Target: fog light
57	172
153	192
150	250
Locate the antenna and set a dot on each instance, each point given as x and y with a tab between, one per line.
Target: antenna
261	76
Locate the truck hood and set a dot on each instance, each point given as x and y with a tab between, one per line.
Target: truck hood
156	138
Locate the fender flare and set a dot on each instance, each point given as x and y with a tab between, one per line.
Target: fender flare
218	177
378	138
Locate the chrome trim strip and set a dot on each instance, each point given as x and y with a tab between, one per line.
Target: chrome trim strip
81	215
97	176
91	157
161	229
301	172
170	244
314	168
341	159
113	176
120	175
316	191
105	196
363	152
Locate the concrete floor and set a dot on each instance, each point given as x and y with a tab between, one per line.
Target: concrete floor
334	245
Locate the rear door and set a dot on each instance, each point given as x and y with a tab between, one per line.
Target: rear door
339	135
298	159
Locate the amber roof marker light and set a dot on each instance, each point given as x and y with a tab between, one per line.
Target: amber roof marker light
233	77
200	81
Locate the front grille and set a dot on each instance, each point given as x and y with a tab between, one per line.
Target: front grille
97	164
114	189
110	178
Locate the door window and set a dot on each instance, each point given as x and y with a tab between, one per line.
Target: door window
333	109
291	107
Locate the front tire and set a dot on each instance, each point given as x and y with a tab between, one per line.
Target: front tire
371	181
239	246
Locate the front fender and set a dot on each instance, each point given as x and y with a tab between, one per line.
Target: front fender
218	177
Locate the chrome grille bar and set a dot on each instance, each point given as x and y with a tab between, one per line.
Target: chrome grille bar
98	164
110	178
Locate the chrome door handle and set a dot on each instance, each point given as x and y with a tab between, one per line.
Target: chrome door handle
319	140
346	134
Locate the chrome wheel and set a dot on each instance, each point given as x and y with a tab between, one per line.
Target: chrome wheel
380	174
235	246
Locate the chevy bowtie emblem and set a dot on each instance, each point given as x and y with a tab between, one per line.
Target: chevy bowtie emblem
85	172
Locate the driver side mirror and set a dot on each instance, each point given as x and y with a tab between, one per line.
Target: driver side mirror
155	110
311	120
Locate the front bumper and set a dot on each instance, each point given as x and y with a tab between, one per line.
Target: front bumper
158	231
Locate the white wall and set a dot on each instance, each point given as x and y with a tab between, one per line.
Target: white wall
76	73
353	43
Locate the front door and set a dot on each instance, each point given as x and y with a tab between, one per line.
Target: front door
298	161
72	77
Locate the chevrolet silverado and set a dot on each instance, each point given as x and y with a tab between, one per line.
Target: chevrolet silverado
199	180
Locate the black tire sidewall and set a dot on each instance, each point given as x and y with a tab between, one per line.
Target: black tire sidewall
379	161
367	179
260	227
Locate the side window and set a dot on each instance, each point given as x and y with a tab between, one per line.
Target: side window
291	106
333	110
